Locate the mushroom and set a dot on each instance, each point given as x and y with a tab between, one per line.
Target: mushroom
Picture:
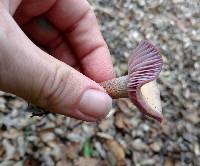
140	85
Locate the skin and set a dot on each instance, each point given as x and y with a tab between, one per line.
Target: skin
41	45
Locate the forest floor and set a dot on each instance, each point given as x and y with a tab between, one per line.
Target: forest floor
127	137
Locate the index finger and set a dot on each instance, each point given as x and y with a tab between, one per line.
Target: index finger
78	23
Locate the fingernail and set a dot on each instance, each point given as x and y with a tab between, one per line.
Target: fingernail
95	103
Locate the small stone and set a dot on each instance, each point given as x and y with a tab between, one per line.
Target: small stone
145	127
193	117
2	105
21	145
74	137
88	130
139	145
123	67
2	93
196	149
32	138
141	2
2	100
46	137
11	134
111	159
177	1
16	103
135	34
56	151
177	163
188	137
9	149
148	162
156	146
100	150
59	131
133	133
139	133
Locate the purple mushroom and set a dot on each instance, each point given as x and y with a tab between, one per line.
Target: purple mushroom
144	66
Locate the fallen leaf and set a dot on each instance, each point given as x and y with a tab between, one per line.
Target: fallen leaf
2	151
72	150
105	124
86	162
12	134
31	162
63	163
87	149
115	148
193	117
168	162
119	121
122	105
126	106
104	135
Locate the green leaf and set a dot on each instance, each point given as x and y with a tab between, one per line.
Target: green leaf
87	149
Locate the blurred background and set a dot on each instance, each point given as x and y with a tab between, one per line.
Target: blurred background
127	137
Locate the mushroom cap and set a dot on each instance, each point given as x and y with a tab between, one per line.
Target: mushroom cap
144	66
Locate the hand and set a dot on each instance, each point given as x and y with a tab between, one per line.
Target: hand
69	34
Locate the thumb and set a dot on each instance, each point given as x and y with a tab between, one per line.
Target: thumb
29	72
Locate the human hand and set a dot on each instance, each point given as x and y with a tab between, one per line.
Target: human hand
69	34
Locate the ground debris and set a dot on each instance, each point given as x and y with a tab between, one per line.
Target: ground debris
126	137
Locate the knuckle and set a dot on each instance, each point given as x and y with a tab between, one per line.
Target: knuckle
53	87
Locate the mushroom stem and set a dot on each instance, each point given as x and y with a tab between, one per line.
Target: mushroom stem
117	87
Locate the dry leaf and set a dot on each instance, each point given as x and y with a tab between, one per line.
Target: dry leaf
193	117
104	135
126	106
71	151
122	105
63	163
31	162
2	151
117	150
105	124
168	162
119	121
86	162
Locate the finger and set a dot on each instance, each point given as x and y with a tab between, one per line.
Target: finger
11	6
80	27
32	74
43	33
63	53
29	9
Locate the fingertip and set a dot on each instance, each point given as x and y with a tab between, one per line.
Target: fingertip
95	103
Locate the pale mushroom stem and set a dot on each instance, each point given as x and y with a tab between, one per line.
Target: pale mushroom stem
117	87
